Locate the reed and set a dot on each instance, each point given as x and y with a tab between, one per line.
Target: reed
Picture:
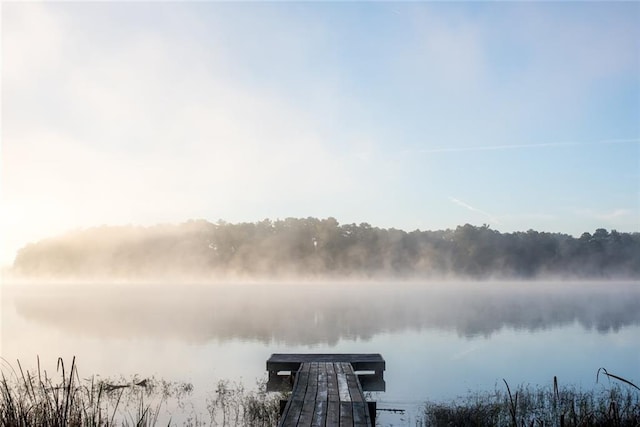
616	404
36	399
233	405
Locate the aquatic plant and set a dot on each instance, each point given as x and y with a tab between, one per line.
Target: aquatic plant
233	405
34	398
618	404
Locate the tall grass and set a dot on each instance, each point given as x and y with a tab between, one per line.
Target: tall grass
233	405
36	399
616	404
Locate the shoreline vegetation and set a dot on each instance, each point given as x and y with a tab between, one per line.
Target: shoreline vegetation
563	406
35	398
323	249
65	399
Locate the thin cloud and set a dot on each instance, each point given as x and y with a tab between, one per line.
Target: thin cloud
622	219
459	202
619	141
521	146
529	217
611	215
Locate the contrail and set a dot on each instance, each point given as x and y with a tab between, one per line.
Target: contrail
517	146
471	208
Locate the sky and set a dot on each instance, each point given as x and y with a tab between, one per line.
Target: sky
417	115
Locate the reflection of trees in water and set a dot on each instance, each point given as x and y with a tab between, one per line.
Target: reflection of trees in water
326	313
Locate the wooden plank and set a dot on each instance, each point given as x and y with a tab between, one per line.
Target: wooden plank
352	384
346	414
326	394
323	381
325	357
292	411
343	386
320	414
346	406
333	396
360	412
322	397
308	406
359	361
332	382
360	409
333	413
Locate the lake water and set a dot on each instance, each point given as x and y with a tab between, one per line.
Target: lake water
440	341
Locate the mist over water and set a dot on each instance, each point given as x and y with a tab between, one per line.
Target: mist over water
439	340
324	313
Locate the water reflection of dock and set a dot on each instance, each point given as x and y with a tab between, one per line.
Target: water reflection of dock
327	389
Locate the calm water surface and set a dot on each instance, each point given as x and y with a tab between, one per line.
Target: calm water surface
440	341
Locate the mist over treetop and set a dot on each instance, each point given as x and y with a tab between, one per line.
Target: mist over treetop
323	248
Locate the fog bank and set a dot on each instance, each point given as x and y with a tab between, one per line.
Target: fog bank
311	248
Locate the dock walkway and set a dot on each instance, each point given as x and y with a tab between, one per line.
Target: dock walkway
326	390
326	394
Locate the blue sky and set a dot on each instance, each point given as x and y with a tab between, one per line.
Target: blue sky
407	115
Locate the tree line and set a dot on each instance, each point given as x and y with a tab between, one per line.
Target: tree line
323	248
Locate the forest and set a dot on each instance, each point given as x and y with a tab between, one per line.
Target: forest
321	249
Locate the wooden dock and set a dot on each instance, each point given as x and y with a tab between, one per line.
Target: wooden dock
326	390
369	368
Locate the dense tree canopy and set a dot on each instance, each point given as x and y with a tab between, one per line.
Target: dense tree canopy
319	248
